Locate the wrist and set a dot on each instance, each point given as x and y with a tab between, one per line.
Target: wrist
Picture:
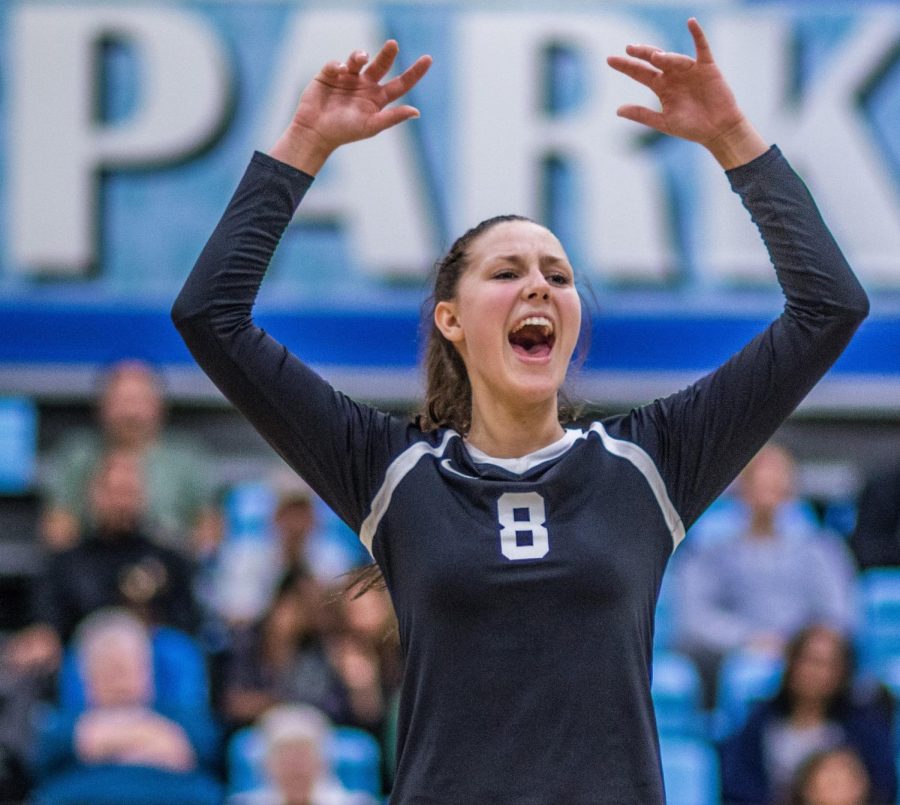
737	145
301	149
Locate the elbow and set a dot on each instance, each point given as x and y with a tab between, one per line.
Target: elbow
864	306
858	307
851	306
184	311
180	313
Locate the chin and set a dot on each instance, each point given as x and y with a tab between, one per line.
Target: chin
537	391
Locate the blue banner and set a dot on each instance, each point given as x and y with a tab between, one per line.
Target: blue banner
124	129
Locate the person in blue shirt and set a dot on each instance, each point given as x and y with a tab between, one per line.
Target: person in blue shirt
523	554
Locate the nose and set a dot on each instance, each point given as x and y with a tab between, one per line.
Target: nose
537	286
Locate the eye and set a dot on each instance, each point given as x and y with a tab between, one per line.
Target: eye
558	278
504	274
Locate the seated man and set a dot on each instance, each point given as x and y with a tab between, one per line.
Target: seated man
122	747
753	589
113	564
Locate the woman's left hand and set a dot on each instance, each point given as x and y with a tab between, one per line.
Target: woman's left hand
696	102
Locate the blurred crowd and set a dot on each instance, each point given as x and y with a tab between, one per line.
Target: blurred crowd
187	643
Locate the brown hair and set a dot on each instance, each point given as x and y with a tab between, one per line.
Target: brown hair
840	700
448	393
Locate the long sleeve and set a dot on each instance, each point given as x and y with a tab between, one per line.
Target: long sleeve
702	436
340	447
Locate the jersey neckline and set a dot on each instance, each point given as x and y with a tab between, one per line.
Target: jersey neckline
522	464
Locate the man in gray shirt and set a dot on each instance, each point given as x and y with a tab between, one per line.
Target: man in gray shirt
753	588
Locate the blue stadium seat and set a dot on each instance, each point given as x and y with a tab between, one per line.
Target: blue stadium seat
245	760
356	760
839	517
889	675
745	678
664	631
676	694
691	771
879	635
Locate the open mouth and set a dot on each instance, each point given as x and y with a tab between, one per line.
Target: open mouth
533	337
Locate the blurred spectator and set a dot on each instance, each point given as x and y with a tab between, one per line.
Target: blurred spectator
832	777
364	647
17	697
278	533
876	538
180	510
302	543
296	739
114	563
122	747
814	710
282	658
753	588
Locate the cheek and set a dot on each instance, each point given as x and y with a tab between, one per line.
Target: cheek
572	312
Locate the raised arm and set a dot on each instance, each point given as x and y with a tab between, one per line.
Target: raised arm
322	434
700	438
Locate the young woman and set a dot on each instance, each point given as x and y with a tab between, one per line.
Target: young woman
523	558
815	710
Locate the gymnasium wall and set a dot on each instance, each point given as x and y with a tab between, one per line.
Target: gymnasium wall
124	128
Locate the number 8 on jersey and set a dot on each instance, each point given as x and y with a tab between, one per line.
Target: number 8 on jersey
523	525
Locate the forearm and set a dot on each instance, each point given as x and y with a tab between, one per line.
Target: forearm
810	267
223	284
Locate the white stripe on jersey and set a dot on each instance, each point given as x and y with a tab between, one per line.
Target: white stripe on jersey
644	464
396	472
629	451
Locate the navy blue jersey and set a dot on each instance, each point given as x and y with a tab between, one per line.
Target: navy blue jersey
525	588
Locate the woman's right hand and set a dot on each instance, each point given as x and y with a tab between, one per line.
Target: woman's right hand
345	103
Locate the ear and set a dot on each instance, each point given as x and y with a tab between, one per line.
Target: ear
447	321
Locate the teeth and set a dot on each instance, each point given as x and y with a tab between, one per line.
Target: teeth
536	321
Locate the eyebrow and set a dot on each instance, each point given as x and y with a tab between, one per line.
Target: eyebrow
545	260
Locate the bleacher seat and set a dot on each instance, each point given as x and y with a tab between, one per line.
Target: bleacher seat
745	678
879	635
691	771
676	692
664	630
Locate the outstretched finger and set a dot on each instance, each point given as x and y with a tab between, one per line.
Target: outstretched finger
642	115
704	51
383	60
391	117
638	70
411	76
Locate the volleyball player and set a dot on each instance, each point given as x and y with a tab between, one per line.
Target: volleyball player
523	557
